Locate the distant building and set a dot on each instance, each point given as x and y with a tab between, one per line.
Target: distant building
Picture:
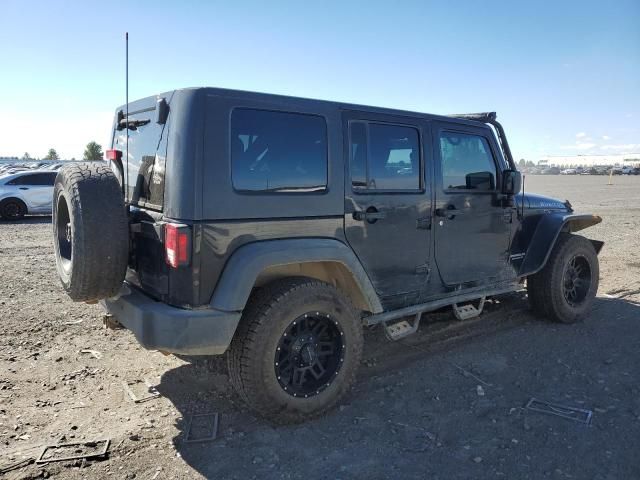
631	159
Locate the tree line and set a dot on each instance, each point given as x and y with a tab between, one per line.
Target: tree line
93	151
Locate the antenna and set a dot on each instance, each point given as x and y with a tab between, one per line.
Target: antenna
126	122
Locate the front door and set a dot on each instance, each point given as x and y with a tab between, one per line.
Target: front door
387	204
471	225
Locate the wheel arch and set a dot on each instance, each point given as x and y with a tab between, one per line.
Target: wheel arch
259	263
546	234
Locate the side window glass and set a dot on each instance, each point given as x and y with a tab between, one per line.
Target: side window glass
23	180
278	151
467	162
384	157
49	179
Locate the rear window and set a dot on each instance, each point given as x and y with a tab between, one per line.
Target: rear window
278	151
147	158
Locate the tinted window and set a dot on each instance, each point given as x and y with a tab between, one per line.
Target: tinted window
145	175
278	151
467	162
384	157
35	179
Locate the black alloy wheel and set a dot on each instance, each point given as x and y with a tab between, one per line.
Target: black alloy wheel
12	210
576	280
309	354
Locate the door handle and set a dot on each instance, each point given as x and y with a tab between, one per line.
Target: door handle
450	212
371	215
24	188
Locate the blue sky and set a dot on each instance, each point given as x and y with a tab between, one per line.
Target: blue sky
564	77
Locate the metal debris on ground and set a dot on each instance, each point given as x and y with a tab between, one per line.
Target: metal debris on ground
76	322
202	428
15	465
111	323
94	353
576	414
151	391
73	451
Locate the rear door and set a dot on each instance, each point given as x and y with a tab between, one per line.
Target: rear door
36	189
387	203
471	226
144	177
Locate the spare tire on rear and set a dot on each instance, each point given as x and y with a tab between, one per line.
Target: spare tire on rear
90	231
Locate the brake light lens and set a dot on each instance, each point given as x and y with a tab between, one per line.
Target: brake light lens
177	243
114	154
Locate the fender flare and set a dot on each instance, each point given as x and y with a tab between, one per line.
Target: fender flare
546	234
250	260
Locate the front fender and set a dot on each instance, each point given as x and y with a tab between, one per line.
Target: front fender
546	233
247	262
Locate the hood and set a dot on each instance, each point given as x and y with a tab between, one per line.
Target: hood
540	202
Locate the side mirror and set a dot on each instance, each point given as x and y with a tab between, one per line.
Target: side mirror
511	182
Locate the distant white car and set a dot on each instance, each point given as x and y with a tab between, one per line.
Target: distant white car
569	171
26	192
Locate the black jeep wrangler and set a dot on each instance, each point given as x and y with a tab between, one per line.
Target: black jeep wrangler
271	229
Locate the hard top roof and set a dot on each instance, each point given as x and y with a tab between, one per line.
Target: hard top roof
291	100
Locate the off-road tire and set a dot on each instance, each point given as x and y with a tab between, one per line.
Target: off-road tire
90	231
545	288
12	209
268	314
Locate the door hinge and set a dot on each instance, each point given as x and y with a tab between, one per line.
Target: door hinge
423	223
508	216
423	269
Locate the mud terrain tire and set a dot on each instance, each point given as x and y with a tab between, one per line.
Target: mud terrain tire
565	288
90	231
272	311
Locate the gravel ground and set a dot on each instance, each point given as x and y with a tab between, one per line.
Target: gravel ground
445	403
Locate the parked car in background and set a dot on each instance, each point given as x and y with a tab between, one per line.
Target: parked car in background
26	192
569	171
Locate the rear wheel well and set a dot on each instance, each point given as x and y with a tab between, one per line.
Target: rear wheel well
333	273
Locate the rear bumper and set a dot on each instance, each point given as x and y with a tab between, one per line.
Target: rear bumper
158	326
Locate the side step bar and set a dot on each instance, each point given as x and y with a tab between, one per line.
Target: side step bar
436	304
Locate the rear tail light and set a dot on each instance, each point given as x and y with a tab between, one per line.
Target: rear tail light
113	154
177	244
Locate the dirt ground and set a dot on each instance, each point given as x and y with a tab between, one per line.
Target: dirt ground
446	403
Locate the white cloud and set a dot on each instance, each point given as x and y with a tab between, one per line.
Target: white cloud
581	135
579	146
606	137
